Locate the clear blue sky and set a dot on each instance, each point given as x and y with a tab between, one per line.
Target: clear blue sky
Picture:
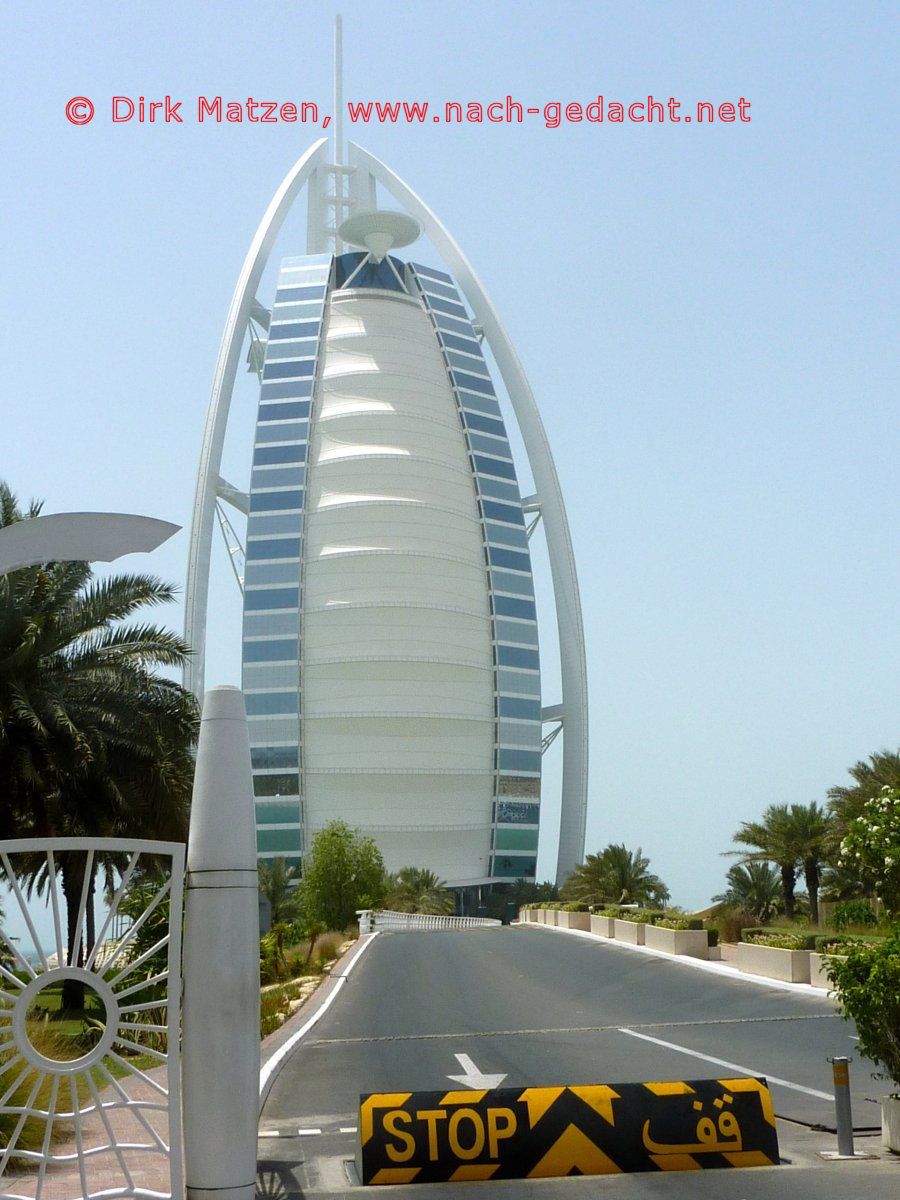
707	316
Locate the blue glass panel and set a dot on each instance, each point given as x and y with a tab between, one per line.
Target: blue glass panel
273	756
517	632
271	704
313	292
279	477
274	501
284	812
269	572
286	391
372	275
468	344
490	445
518	683
485	404
295	329
275	650
266	455
264	624
304	366
508	866
518	656
519	585
509	606
284	412
273	598
293	348
513	560
273	548
503	512
452	325
461	363
276	785
290	522
513	706
473	382
517	812
447	307
506	535
279	841
519	760
497	487
483	423
287	431
431	272
494	466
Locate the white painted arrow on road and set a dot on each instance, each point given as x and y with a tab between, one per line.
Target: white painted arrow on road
473	1078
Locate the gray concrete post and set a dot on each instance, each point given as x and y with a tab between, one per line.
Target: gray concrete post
221	961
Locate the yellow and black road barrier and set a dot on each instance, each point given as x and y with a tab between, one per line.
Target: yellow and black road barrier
604	1129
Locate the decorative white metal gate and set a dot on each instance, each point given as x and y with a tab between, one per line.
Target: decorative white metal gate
114	1109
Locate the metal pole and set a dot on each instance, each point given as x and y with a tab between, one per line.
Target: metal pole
221	961
840	1067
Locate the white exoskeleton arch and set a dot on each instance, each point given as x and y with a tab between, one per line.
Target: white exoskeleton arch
353	188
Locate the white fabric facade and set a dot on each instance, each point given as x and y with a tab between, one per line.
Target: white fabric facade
408	705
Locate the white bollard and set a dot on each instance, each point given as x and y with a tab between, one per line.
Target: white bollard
221	962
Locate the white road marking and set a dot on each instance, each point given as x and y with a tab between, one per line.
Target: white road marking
267	1133
473	1078
271	1066
347	1129
721	1062
308	1132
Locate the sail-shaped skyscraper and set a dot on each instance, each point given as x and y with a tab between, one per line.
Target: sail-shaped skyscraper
390	649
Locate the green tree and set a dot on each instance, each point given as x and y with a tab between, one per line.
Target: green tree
867	987
615	875
343	871
871	847
754	887
846	803
791	836
279	883
92	741
418	890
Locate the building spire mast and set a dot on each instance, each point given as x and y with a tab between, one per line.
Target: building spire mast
338	92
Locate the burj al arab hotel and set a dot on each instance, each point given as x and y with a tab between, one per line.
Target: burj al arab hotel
390	645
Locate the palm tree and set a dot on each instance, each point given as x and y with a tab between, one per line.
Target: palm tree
92	742
754	887
278	883
791	836
846	803
418	890
771	842
813	831
615	876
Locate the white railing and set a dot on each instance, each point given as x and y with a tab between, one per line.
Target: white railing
370	920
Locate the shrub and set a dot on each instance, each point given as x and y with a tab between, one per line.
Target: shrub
678	921
640	916
853	912
712	936
274	1008
574	906
839	943
779	939
867	986
730	923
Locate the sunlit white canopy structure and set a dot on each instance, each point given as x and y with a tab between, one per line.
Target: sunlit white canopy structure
354	294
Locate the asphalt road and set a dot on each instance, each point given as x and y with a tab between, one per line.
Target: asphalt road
545	1008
